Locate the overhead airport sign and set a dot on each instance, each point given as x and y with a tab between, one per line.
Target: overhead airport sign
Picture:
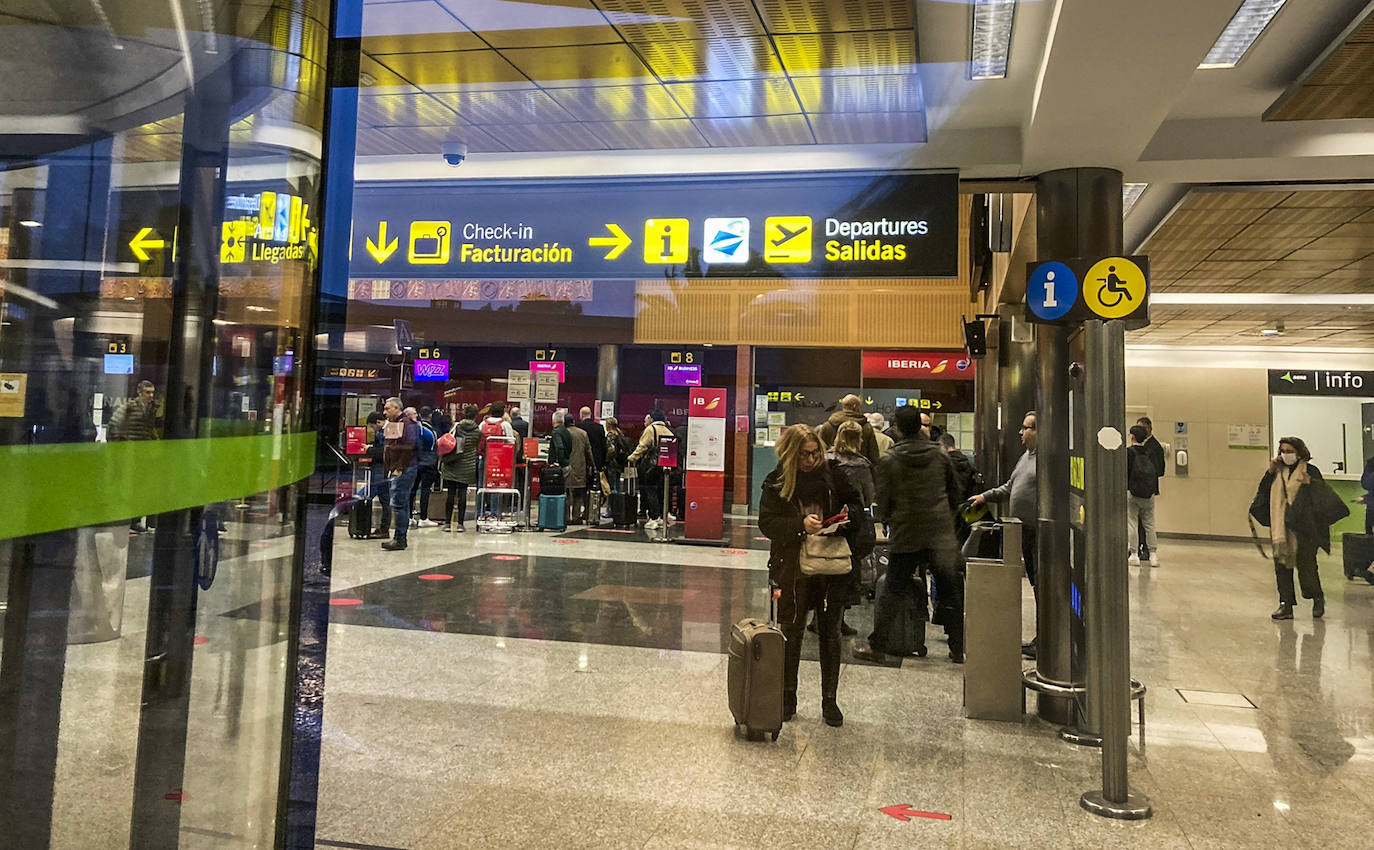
1321	382
847	224
918	365
1089	288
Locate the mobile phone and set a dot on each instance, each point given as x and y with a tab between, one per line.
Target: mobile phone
839	517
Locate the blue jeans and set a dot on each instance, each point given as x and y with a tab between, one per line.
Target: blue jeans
400	501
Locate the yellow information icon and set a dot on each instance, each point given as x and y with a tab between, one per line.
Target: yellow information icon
1114	288
665	240
787	239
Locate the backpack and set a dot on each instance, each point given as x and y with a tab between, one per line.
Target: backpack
1140	475
427	453
490	428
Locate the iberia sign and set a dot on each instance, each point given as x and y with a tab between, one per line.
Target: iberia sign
918	365
841	224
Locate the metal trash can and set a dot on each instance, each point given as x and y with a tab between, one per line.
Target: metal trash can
992	632
97	600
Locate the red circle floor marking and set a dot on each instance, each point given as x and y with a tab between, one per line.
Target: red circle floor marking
201	640
567	541
436	577
761	539
734	551
344	601
506	557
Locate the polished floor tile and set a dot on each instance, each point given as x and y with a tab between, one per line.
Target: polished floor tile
569	691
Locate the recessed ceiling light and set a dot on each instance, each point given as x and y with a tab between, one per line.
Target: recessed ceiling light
990	38
130	298
1130	193
256	309
1240	34
28	222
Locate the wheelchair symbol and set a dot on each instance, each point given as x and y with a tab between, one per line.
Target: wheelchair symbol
1115	285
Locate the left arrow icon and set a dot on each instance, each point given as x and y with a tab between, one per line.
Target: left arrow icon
380	250
618	241
144	240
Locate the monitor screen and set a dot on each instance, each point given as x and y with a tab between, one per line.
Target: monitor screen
119	364
681	375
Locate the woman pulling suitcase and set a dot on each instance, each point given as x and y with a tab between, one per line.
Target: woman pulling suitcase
799	496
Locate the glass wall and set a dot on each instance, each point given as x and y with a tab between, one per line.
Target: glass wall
160	173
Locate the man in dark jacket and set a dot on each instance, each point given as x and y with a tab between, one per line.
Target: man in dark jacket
560	442
400	457
851	410
381	486
917	496
596	435
135	420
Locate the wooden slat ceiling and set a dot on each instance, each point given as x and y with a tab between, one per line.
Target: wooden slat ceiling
1339	85
1236	240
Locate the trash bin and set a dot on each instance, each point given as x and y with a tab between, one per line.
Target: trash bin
992	632
97	600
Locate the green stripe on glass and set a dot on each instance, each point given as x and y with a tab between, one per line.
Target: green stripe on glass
70	485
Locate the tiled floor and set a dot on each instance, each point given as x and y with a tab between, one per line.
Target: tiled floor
584	706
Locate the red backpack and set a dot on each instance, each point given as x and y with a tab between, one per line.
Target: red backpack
490	428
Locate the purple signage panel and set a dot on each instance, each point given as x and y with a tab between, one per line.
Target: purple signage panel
681	375
431	370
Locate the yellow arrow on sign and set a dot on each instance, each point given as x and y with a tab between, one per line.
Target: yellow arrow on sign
868	400
618	241
141	243
939	404
798	396
380	250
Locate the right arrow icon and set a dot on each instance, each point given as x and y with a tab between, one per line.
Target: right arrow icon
618	241
380	250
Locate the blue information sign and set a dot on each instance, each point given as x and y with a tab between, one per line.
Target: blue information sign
1051	291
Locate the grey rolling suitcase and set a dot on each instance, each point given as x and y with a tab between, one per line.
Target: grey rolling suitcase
755	676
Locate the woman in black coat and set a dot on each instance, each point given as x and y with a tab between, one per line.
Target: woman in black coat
798	495
1298	507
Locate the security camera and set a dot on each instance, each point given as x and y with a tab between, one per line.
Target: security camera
455	153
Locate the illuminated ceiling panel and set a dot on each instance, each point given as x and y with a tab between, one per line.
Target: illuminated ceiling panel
649	74
721	59
798	16
620	103
733	98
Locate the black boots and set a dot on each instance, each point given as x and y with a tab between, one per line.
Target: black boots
1283	612
830	710
1318	607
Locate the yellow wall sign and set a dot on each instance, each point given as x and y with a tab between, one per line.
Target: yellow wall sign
787	239
666	240
13	387
1114	288
429	242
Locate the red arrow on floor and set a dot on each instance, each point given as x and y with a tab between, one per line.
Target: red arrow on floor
905	813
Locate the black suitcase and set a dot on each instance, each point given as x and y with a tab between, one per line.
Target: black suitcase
1357	553
904	619
623	510
360	509
757	650
360	519
551	482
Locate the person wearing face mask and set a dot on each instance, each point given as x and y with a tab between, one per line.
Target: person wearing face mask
1298	507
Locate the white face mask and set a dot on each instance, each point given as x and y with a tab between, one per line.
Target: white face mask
1289	458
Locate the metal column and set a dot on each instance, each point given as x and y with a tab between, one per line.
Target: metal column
1078	213
608	373
1108	612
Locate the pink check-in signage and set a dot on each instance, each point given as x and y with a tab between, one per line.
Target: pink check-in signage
537	366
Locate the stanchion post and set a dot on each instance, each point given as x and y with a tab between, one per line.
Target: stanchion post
1108	609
